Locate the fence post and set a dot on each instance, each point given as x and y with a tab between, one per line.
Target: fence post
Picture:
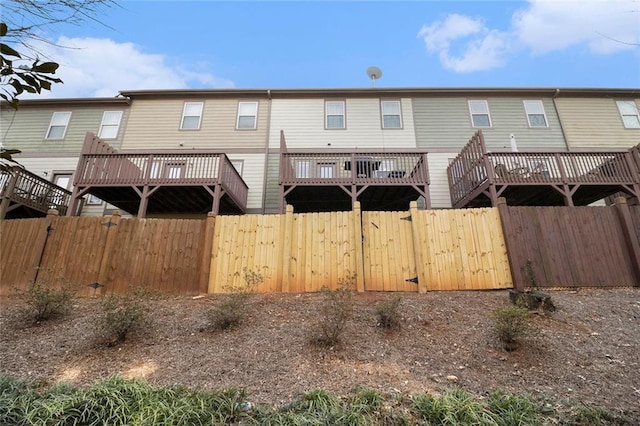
416	226
284	268
207	255
103	273
359	246
507	228
41	244
629	235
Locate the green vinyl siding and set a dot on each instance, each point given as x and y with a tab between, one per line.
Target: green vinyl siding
26	128
444	123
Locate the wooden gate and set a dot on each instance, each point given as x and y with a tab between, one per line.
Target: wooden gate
389	257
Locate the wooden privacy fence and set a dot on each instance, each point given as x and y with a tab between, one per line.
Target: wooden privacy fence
386	251
573	246
161	254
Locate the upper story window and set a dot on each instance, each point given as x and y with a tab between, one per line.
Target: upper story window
535	113
247	115
191	116
391	118
479	111
629	113
58	125
110	124
334	114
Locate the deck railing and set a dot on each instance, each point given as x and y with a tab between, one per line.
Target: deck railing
23	187
475	166
168	169
335	168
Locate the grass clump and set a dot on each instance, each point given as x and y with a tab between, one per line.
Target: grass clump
513	410
46	298
123	314
454	407
235	305
511	324
335	311
388	313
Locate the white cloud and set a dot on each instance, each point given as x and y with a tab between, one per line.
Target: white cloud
92	67
543	26
604	26
482	48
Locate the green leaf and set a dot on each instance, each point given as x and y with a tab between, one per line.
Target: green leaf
6	50
46	67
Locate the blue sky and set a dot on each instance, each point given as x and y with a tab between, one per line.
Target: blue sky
326	44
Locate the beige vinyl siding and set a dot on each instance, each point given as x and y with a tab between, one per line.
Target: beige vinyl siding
253	176
45	167
595	123
155	124
303	123
445	123
439	182
26	129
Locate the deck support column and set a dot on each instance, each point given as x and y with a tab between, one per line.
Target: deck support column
4	205
144	200
215	208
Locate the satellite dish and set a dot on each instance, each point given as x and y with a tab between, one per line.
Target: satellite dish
374	74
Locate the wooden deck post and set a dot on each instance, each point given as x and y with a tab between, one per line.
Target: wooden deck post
8	191
631	239
207	255
507	228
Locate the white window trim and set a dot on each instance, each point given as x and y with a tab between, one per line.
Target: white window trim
383	115
529	113
623	115
327	115
488	113
66	125
238	165
255	116
92	200
103	125
184	110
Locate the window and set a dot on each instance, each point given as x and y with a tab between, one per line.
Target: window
302	168
391	115
479	111
62	179
535	113
334	114
238	165
58	126
110	124
247	113
325	170
92	200
174	170
191	114
629	113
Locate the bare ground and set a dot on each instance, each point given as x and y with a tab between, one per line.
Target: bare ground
588	350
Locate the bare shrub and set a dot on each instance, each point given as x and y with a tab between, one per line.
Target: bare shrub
388	313
510	325
46	297
122	314
235	305
335	311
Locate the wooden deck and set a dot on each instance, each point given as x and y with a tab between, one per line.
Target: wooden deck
333	180
478	177
26	195
167	182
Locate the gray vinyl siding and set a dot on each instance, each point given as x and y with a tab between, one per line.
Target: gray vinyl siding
272	187
595	123
155	124
444	123
439	182
26	128
253	176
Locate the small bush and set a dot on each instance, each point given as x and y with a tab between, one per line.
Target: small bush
510	325
388	313
123	314
336	310
44	299
232	310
